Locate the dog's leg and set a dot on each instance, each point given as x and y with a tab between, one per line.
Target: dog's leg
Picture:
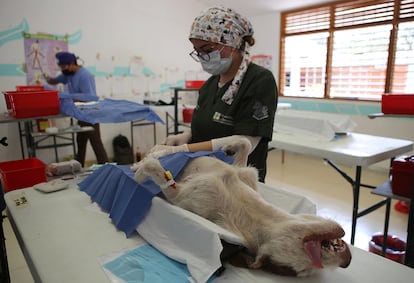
239	148
152	168
249	176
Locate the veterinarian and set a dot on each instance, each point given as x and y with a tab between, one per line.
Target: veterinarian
240	97
82	83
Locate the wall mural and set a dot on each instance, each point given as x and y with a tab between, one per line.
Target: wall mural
40	51
18	33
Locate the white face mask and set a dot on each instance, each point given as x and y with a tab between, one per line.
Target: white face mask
216	65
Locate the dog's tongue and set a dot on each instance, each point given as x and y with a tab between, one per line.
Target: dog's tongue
313	250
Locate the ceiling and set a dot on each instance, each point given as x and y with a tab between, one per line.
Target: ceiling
257	7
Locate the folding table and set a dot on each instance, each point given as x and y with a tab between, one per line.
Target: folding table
352	149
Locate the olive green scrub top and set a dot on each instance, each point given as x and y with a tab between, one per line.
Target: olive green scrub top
252	112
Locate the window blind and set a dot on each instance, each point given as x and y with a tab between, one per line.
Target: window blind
316	19
355	49
359	13
407	9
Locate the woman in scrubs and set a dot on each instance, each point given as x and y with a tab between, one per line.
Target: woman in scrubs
240	97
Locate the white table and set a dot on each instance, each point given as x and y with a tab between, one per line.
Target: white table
353	149
315	125
61	240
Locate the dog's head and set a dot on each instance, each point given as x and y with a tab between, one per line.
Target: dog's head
314	243
300	247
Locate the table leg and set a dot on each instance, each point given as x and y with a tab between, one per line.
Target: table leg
386	224
132	136
74	145
21	139
175	111
55	146
4	267
409	250
155	133
356	187
30	144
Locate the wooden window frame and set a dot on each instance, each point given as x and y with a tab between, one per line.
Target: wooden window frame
336	16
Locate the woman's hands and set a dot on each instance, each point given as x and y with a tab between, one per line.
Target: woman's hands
162	150
179	139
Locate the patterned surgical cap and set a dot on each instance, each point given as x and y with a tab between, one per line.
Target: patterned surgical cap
221	25
227	27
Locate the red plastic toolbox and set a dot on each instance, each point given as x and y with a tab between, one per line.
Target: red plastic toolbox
26	104
22	88
397	104
29	88
18	174
402	182
194	84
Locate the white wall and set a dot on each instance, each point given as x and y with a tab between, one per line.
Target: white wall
267	34
156	30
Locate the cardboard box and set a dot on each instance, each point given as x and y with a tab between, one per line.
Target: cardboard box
402	170
402	104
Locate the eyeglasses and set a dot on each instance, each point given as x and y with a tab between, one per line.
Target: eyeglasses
205	57
198	57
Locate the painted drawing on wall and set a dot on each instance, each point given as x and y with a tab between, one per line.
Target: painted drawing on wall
40	50
18	32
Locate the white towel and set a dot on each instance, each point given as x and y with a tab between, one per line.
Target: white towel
195	241
185	237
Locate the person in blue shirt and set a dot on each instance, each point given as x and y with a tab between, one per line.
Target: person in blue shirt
81	87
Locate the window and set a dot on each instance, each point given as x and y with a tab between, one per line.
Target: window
403	69
305	67
348	49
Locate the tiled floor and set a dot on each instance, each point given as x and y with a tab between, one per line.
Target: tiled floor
307	176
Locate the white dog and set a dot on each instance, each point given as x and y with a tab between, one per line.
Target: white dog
228	195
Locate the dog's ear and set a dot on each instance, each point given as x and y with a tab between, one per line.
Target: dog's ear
246	260
242	259
272	267
264	262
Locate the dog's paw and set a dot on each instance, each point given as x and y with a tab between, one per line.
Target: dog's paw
151	167
134	167
139	172
239	148
237	144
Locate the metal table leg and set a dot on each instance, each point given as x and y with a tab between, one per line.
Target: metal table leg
409	250
356	185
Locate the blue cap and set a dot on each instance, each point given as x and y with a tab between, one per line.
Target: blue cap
65	58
